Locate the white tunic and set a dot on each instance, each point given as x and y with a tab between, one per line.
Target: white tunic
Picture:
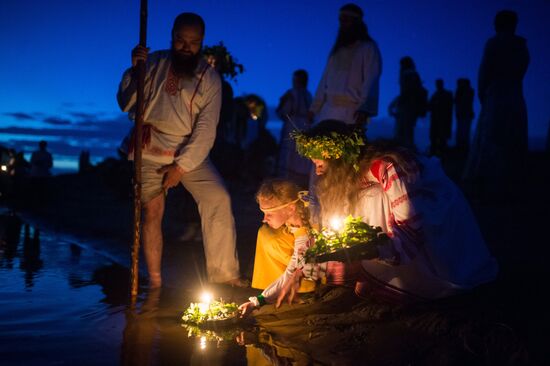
436	247
349	83
183	112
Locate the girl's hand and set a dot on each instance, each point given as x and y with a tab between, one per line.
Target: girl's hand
246	308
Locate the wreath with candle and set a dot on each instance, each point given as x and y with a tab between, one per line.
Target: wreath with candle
215	311
356	240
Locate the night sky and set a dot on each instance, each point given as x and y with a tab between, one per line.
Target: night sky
62	60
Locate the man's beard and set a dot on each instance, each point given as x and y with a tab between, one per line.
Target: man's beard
184	65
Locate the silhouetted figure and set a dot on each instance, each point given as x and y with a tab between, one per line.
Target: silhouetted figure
500	143
292	110
41	161
258	146
464	111
225	153
84	164
6	179
250	119
349	88
441	118
411	103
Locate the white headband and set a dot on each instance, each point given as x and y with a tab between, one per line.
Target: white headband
301	197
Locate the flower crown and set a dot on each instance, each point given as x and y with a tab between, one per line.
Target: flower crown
330	147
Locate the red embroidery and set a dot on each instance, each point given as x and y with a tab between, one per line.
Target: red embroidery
155	150
171	86
399	200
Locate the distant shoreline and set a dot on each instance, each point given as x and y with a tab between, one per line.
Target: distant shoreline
66	160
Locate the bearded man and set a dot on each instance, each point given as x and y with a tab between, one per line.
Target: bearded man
349	88
182	106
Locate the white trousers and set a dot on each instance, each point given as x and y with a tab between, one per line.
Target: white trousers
217	222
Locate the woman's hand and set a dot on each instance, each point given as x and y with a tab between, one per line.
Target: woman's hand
290	288
246	308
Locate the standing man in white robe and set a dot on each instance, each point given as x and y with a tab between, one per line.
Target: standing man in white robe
182	99
349	88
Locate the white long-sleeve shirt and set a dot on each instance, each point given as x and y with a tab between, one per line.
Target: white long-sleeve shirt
349	83
436	248
184	113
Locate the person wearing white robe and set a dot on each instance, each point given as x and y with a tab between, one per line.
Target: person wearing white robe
435	248
292	110
349	88
180	118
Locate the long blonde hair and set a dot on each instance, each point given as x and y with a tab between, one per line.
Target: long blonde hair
338	188
284	191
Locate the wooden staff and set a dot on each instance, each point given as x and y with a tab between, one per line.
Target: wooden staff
140	73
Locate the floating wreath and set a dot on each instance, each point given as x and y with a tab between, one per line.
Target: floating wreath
199	313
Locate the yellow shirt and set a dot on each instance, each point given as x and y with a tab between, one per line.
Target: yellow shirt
274	249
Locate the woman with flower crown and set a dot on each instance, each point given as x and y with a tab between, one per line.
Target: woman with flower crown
435	248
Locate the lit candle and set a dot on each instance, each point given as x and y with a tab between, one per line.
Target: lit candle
206	297
336	223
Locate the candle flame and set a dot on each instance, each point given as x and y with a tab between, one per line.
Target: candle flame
203	342
336	223
206	297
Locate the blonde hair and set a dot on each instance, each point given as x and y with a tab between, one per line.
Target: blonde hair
338	188
284	191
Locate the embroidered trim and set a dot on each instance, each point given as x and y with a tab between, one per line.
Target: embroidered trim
171	86
155	150
399	200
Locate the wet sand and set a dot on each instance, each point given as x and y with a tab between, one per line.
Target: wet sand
75	313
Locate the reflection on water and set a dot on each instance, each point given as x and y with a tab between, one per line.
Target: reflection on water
62	303
154	335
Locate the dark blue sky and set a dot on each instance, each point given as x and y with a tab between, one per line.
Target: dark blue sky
62	60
